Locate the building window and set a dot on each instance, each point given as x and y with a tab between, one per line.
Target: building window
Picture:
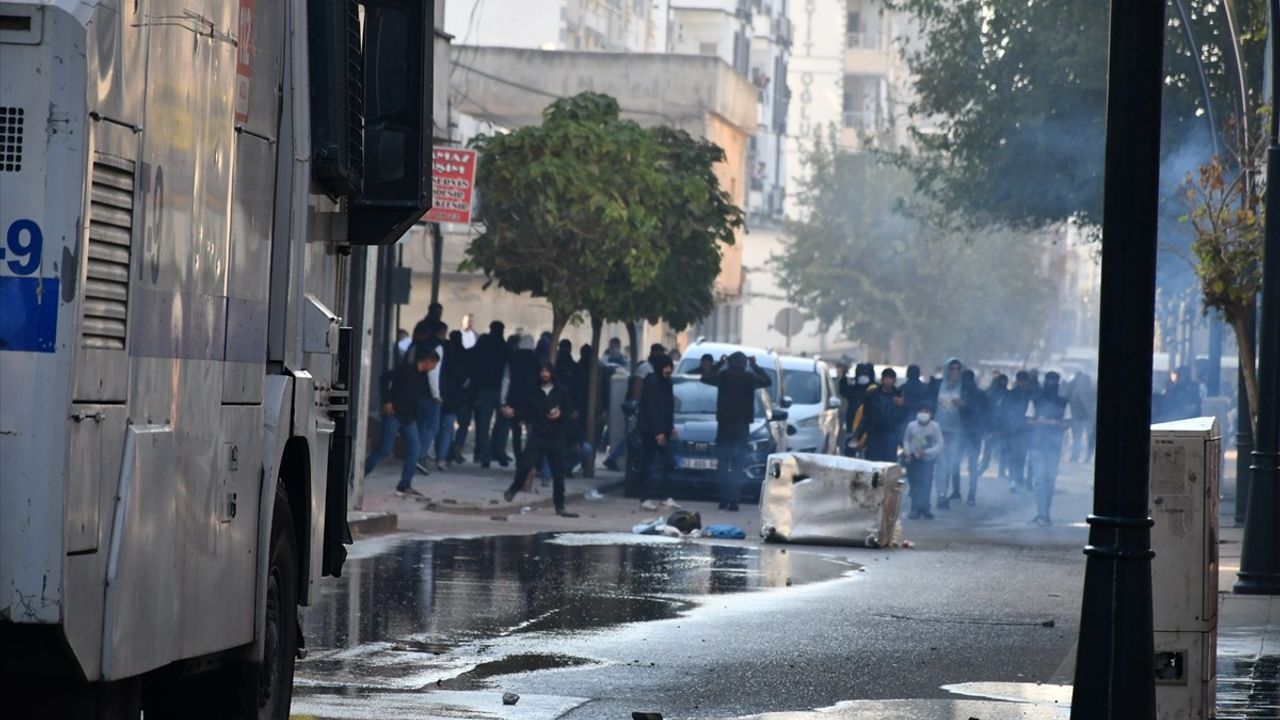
862	100
862	26
708	48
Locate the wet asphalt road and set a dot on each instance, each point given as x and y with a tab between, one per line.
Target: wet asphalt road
598	626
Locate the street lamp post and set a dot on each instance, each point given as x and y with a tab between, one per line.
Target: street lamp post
1114	679
1260	559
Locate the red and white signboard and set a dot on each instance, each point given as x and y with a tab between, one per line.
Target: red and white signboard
244	60
453	179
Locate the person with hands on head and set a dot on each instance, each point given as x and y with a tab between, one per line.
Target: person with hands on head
735	408
401	393
545	412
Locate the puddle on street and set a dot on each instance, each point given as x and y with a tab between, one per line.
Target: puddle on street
1249	688
393	619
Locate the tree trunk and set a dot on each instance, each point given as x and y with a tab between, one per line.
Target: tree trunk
633	336
558	321
593	395
1245	344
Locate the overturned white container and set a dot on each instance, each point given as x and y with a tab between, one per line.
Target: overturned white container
830	500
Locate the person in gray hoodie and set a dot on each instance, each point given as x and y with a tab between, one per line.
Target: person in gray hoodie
949	403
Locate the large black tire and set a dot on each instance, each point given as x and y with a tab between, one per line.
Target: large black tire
273	675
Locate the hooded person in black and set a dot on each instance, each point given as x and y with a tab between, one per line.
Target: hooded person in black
853	392
545	412
657	428
735	409
488	365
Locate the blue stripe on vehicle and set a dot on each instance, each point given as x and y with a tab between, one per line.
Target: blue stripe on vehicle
28	314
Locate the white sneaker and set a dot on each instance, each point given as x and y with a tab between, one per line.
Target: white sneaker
649	504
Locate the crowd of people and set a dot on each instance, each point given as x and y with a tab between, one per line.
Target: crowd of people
943	427
500	391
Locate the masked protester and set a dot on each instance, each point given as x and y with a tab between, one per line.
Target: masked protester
922	443
1013	422
1049	415
735	408
880	420
401	393
546	413
657	429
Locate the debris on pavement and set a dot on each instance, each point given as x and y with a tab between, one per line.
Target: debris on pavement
525	510
593	494
685	521
649	505
498	518
510	698
724	532
646	716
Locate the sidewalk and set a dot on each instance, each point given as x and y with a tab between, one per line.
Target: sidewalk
1248	640
471	490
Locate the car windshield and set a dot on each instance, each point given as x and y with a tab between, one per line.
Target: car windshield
804	386
693	397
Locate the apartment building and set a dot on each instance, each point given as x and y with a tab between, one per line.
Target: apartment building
585	25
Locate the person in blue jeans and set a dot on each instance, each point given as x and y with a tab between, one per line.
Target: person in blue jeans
401	389
735	409
1049	415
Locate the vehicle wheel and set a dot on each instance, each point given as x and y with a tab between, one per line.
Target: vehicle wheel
273	675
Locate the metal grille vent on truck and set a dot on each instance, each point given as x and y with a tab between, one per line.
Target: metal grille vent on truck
11	127
106	286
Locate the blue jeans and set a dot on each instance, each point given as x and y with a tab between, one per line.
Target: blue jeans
731	456
444	438
409	432
1045	462
428	424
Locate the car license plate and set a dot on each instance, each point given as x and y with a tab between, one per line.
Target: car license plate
697	463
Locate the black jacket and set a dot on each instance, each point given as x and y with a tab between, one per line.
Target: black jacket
454	372
401	387
914	392
735	403
488	360
534	414
657	407
523	377
881	418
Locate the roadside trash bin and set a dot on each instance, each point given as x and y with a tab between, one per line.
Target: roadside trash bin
830	500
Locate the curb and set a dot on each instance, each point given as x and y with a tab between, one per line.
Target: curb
514	508
365	524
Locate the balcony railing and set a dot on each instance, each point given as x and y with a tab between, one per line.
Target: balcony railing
863	41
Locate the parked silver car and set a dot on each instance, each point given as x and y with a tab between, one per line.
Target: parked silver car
812	408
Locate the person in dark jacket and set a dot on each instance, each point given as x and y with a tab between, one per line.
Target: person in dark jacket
489	362
657	428
519	385
993	443
1049	414
453	391
914	391
853	391
735	409
881	422
545	412
1013	423
974	414
401	391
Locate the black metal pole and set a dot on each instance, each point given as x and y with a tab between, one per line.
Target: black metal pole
1260	558
1244	438
1114	679
437	254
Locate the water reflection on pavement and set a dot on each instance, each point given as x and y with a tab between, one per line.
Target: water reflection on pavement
431	614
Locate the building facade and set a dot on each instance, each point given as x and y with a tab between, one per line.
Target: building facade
585	25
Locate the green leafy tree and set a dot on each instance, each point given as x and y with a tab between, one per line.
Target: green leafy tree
860	264
565	202
1010	95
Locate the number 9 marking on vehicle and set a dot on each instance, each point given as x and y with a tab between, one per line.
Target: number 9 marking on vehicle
26	254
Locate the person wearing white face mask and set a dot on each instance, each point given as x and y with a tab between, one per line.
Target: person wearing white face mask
921	444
